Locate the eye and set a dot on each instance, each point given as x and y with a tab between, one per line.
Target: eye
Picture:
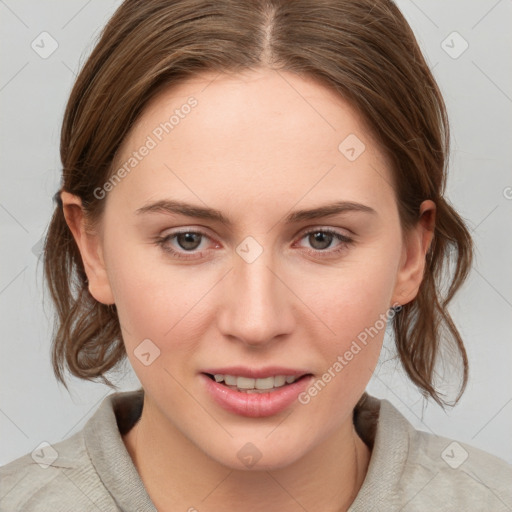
322	238
186	242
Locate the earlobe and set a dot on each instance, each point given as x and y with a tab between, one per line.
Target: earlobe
90	247
416	245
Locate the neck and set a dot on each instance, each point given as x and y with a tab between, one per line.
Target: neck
178	475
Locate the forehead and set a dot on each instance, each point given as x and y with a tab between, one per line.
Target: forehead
259	134
276	107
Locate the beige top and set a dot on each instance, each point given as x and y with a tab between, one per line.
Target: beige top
409	470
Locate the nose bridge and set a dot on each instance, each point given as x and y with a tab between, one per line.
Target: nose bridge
253	278
255	311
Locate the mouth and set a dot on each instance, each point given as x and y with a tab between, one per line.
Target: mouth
251	385
255	393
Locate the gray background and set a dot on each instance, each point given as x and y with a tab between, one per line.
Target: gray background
477	86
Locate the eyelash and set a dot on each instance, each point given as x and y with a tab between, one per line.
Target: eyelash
164	240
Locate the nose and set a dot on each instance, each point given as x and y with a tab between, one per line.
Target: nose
258	306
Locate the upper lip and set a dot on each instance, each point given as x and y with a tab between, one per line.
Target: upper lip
256	373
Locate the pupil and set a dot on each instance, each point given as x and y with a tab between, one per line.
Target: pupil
186	240
318	236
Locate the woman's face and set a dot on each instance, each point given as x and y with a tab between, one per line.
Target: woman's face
269	291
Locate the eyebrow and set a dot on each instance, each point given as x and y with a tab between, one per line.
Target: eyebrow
199	212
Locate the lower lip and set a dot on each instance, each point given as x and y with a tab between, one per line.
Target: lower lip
255	405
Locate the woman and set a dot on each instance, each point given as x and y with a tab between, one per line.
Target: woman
251	192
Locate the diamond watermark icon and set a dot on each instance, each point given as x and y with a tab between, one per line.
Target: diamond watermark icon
352	147
454	45
146	352
249	455
38	247
249	249
454	455
44	45
44	455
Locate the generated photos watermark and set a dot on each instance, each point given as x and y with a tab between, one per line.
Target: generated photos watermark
344	359
151	142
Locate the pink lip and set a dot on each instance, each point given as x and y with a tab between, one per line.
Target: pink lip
255	405
257	373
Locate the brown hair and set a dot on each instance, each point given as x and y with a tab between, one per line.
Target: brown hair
362	49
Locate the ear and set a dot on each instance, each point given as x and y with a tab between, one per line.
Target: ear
416	245
90	247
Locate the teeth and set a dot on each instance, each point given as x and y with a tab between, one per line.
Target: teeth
245	383
254	385
267	383
279	380
230	380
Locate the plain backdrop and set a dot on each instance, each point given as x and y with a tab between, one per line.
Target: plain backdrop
468	45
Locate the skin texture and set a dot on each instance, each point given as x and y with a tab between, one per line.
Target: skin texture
257	146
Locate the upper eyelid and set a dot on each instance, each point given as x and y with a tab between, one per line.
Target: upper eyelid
204	231
308	231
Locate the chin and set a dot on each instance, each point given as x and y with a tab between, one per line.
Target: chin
260	454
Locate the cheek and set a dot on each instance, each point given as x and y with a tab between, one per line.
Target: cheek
355	308
156	302
353	296
154	299
353	305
